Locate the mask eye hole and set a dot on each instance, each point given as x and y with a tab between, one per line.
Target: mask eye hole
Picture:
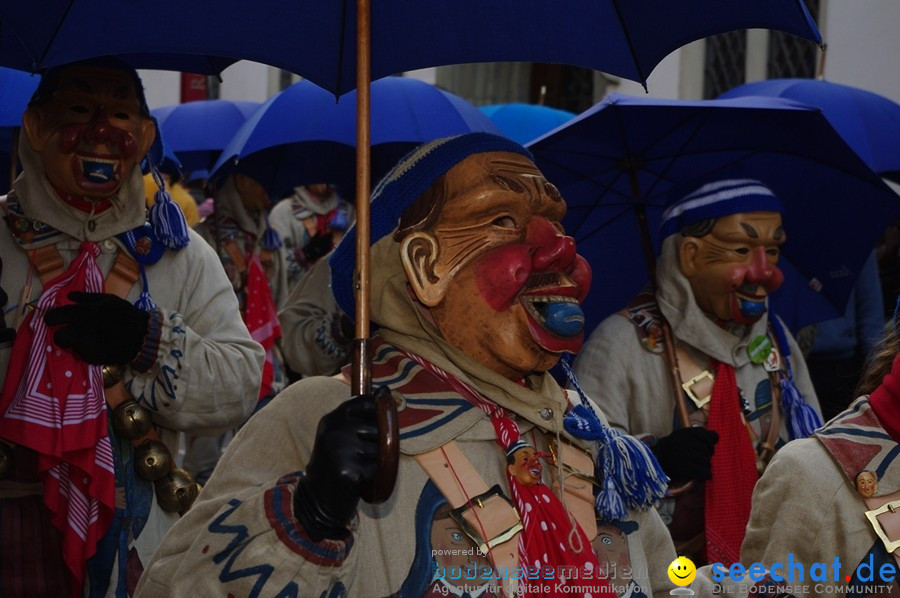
505	222
79	109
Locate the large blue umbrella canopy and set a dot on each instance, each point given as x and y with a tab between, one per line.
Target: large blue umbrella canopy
302	135
526	122
869	122
197	132
629	156
16	88
317	39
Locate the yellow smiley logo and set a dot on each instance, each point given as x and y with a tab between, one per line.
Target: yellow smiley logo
682	571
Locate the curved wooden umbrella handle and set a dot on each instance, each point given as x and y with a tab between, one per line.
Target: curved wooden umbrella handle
380	489
681	488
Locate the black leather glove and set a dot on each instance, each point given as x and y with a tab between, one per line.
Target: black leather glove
344	458
100	328
317	247
685	454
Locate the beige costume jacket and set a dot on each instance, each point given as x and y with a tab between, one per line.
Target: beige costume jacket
206	374
633	384
241	536
806	509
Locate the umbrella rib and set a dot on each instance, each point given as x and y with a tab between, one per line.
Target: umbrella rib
340	59
56	29
631	51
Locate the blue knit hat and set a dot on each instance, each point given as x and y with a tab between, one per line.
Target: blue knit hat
721	197
399	189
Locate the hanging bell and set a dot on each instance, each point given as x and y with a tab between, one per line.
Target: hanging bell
177	491
112	373
131	420
6	459
152	460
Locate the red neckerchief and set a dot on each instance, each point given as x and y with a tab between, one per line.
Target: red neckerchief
53	403
551	540
885	401
261	318
85	205
734	471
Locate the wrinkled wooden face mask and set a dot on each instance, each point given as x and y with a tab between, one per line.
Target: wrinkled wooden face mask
91	133
734	268
502	280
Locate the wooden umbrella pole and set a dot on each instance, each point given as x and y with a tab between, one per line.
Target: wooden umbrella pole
361	381
650	257
380	488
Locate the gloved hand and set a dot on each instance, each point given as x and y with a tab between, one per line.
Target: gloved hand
317	247
100	328
344	458
685	454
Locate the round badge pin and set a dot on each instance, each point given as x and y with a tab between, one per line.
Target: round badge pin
759	349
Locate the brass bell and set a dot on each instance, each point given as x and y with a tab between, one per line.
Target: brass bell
152	460
131	420
112	373
6	459
176	492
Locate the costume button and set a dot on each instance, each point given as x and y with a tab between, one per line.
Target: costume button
92	224
546	413
108	244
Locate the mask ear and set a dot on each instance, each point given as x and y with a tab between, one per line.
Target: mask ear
688	253
419	253
148	135
31	126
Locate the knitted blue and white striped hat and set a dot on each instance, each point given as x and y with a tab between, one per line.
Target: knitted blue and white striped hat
719	198
402	186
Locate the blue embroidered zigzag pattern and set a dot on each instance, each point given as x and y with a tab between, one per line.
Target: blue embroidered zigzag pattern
234	549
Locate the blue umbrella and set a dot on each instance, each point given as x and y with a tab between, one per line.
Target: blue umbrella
302	135
316	39
869	122
526	122
620	159
16	88
197	132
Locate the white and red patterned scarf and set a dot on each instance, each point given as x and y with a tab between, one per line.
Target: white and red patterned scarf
53	403
261	318
551	540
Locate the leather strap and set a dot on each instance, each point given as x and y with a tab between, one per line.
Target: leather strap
577	484
47	262
122	276
696	381
460	483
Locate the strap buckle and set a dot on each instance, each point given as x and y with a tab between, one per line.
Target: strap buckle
689	388
892	507
494	511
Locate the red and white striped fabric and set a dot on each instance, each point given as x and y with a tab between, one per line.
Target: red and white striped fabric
551	541
261	318
53	403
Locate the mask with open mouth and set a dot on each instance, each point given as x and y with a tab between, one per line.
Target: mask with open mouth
90	131
733	269
508	282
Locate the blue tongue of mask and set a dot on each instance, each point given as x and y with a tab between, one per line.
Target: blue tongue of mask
98	172
563	318
752	310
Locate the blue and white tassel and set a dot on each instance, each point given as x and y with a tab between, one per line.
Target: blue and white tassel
166	217
631	476
802	418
